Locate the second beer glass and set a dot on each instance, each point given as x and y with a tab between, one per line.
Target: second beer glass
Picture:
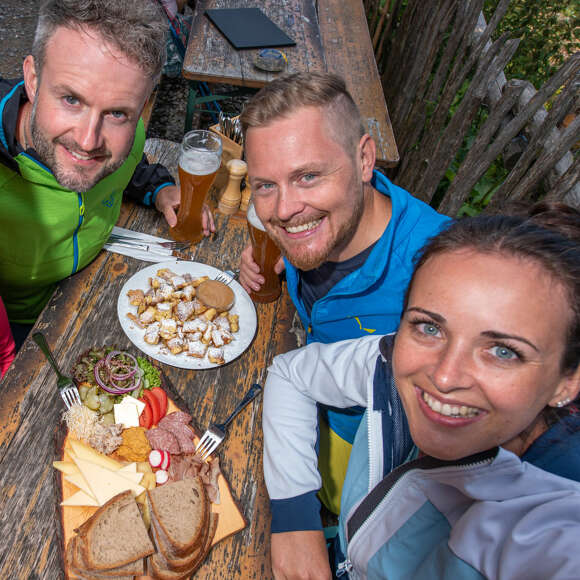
199	161
265	254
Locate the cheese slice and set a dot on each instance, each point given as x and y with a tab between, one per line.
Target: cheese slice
134	477
80	498
66	467
78	480
87	453
105	483
129	468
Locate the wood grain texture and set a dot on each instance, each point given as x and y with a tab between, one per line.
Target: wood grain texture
330	35
211	58
349	52
82	313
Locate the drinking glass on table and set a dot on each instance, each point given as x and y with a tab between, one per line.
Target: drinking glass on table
265	254
199	161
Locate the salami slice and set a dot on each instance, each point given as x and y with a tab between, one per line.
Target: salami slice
160	438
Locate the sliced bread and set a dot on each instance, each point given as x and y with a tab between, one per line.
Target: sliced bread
118	519
165	546
78	564
180	511
176	563
160	568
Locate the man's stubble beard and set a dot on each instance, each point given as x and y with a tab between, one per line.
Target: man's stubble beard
308	260
73	180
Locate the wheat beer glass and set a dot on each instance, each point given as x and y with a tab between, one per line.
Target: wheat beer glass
199	161
265	254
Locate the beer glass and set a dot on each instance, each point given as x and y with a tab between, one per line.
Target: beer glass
199	161
265	254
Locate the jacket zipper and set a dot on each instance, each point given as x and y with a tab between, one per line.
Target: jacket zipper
373	430
343	568
75	234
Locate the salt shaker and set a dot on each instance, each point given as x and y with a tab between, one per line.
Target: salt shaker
232	195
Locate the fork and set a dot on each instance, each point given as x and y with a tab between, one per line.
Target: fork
66	385
117	239
216	433
227	277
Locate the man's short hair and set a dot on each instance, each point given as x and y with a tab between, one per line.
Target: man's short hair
284	96
136	28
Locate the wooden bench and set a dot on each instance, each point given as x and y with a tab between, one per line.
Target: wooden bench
348	50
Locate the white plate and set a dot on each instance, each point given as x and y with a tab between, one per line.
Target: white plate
243	306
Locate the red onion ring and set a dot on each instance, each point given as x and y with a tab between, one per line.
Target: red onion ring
116	389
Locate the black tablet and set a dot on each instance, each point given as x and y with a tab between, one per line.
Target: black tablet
248	28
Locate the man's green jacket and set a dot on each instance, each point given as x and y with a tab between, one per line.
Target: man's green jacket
48	232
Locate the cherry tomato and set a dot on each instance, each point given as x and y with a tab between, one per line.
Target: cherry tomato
152	400
161	397
146	417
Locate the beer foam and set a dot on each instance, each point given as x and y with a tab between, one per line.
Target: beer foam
253	218
199	162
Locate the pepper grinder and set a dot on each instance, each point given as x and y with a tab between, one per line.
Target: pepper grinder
231	196
246	194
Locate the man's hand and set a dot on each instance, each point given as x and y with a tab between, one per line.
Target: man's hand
300	556
250	277
167	202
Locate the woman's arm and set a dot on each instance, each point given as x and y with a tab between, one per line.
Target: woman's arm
338	374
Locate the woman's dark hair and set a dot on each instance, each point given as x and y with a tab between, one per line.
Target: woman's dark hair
548	235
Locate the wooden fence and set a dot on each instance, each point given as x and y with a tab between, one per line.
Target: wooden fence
439	65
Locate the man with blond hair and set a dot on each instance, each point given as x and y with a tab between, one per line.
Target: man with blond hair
348	237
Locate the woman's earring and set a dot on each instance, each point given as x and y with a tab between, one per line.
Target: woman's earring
563	402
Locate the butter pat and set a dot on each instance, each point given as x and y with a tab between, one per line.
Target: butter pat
129	400
127	415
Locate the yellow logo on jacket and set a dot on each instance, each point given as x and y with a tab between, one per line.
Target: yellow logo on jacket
361	327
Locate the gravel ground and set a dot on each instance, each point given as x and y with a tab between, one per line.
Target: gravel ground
168	118
17	24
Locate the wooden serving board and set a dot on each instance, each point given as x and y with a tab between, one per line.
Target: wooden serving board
230	521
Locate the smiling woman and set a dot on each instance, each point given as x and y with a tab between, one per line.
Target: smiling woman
477	385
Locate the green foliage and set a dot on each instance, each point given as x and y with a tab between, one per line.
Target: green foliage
549	32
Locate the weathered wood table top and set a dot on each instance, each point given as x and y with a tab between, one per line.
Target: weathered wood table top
83	313
211	58
330	35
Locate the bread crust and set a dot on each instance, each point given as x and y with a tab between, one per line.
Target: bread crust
121	501
180	550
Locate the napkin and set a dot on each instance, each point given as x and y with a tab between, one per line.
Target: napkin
157	254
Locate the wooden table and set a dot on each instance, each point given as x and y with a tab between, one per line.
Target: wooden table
349	52
83	313
211	58
331	35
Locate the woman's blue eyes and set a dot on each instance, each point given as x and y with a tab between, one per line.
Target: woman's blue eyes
429	329
504	353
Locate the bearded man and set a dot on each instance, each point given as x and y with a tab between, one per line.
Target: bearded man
347	234
71	143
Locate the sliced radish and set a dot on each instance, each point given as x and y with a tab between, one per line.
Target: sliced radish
155	458
166	461
161	476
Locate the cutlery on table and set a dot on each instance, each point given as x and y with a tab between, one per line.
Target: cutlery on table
66	386
216	433
227	277
121	240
